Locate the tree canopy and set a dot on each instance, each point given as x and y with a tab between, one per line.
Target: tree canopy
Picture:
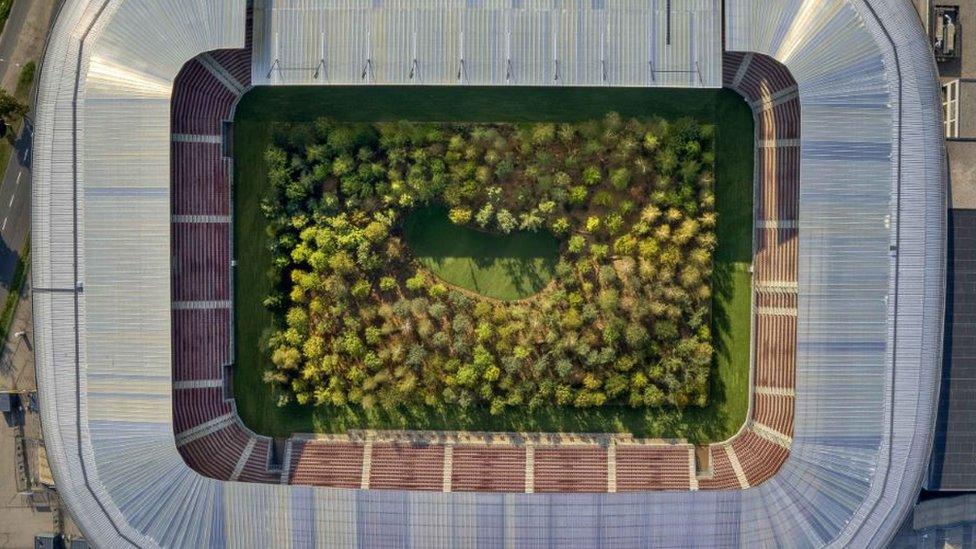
625	319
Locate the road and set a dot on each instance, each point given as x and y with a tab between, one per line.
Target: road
15	209
21	41
8	40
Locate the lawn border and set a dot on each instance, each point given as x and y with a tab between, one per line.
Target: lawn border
543	425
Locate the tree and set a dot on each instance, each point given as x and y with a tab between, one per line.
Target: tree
11	109
506	221
625	328
460	216
620	179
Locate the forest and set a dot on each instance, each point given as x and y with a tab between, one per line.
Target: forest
623	317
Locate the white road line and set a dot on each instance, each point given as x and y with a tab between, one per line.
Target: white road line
4	224
11	203
18	179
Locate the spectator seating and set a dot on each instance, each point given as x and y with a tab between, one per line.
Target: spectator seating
208	432
214	442
643	468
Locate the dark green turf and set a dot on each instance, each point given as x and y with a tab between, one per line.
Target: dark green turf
729	396
506	267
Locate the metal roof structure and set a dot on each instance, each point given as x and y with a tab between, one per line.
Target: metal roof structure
871	284
487	42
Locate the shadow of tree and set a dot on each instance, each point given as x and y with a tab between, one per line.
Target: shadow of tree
722	292
488	262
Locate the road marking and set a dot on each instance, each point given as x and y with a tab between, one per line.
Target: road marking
4	224
18	179
11	203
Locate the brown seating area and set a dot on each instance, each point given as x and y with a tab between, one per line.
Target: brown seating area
775	340
200	179
776	300
208	434
200	347
407	467
256	467
781	121
314	463
775	412
762	449
196	406
647	468
779	168
488	469
201	261
216	455
759	458
201	102
776	254
723	476
570	469
236	62
216	444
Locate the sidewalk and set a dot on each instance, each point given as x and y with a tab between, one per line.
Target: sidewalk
26	41
19	522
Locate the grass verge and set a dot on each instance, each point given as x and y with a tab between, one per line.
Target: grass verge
24	84
729	382
13	297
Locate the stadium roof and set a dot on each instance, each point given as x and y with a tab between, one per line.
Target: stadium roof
871	297
522	42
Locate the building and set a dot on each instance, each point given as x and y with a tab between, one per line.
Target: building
871	277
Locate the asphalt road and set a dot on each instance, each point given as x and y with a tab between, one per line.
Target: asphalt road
15	208
8	40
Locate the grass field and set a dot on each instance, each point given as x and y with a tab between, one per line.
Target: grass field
505	267
728	399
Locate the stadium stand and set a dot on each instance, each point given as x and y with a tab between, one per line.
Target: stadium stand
572	469
339	465
201	283
204	95
641	468
481	468
868	236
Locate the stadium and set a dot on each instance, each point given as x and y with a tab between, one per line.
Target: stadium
134	214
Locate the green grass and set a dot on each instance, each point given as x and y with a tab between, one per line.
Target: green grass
729	389
25	80
506	267
13	297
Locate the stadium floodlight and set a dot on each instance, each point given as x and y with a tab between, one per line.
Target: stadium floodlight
508	57
274	66
414	66
321	66
555	59
461	73
603	57
367	73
